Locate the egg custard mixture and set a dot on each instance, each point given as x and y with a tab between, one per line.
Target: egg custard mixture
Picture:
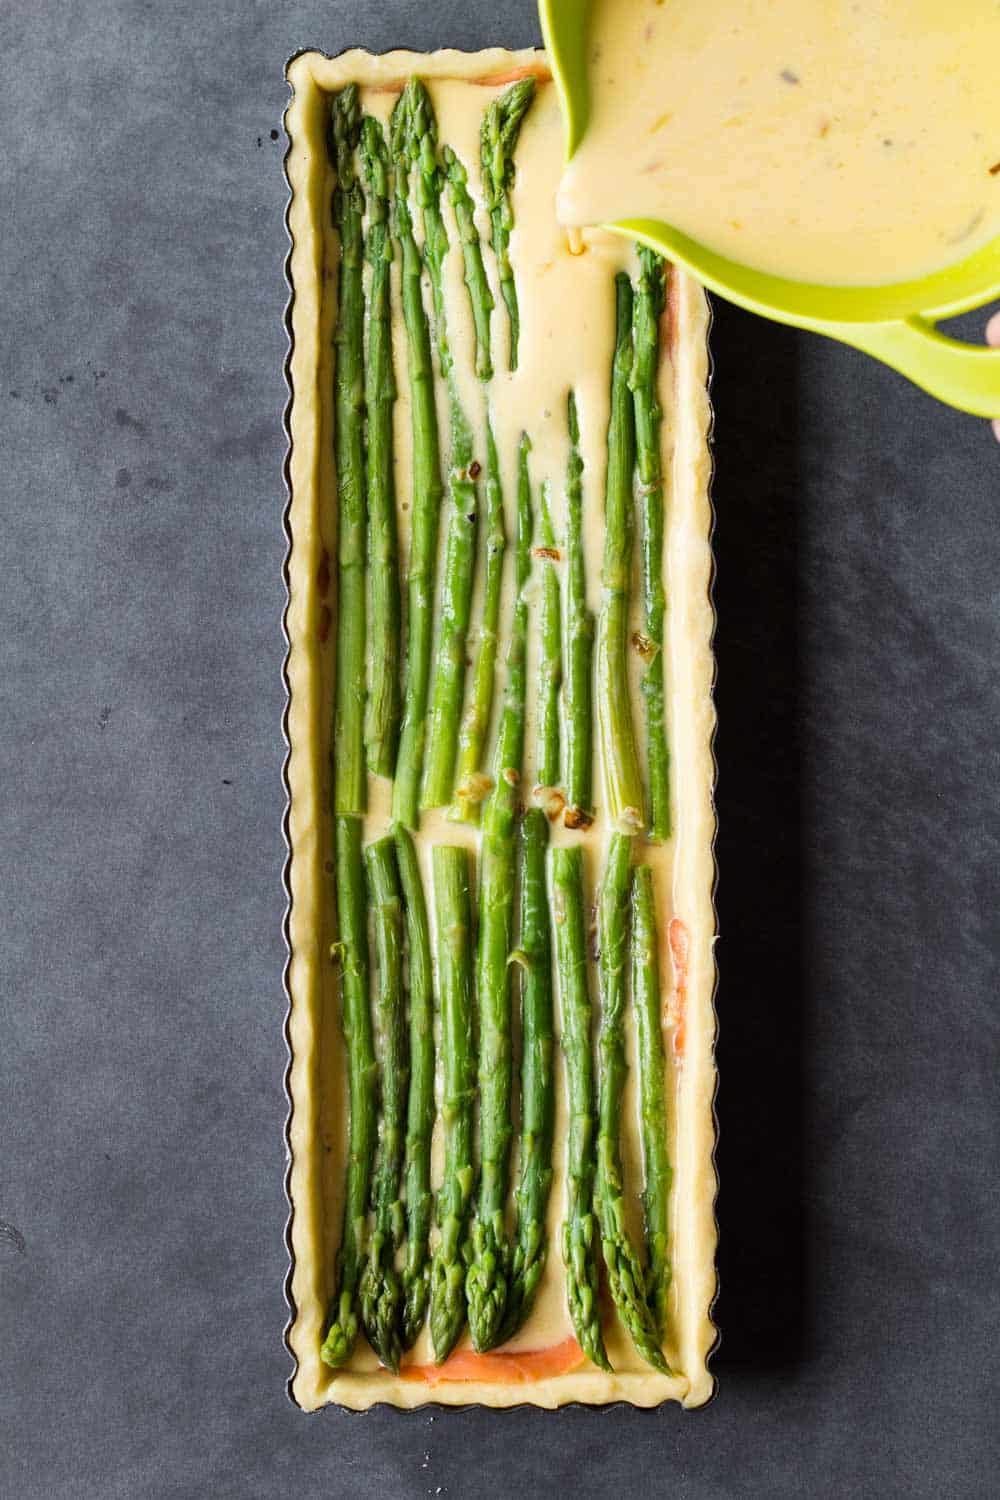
849	142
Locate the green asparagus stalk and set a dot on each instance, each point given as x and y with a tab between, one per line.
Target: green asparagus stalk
649	301
352	952
480	296
534	960
460	555
420	1111
502	804
489	1259
455	981
616	732
579	1238
420	142
579	643
384	621
427	490
486	1279
646	1000
381	1292
473	784
497	142
625	1274
349	416
550	661
453	625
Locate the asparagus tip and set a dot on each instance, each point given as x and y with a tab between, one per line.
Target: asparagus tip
486	1283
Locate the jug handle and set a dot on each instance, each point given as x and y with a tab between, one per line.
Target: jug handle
963	375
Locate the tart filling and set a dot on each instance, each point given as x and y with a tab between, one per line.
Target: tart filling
512	417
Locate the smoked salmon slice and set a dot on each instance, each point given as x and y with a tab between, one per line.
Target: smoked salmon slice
500	1368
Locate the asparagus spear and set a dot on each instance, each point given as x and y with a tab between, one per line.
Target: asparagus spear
381	1293
478	286
579	643
486	1279
348	400
419	140
460	558
501	805
534	958
498	139
625	1274
579	1239
352	951
420	143
384	633
453	624
486	1282
472	783
620	760
455	980
550	663
426	491
420	1113
646	344
653	1109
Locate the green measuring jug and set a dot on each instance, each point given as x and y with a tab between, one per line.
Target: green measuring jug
895	322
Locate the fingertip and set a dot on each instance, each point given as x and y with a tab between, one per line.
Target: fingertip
993	337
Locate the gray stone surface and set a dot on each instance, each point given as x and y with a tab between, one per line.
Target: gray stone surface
142	1110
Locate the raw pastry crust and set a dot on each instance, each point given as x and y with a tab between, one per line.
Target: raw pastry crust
312	1032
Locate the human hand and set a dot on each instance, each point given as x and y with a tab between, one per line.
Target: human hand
993	337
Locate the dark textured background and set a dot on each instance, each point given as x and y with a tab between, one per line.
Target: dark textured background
142	1112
